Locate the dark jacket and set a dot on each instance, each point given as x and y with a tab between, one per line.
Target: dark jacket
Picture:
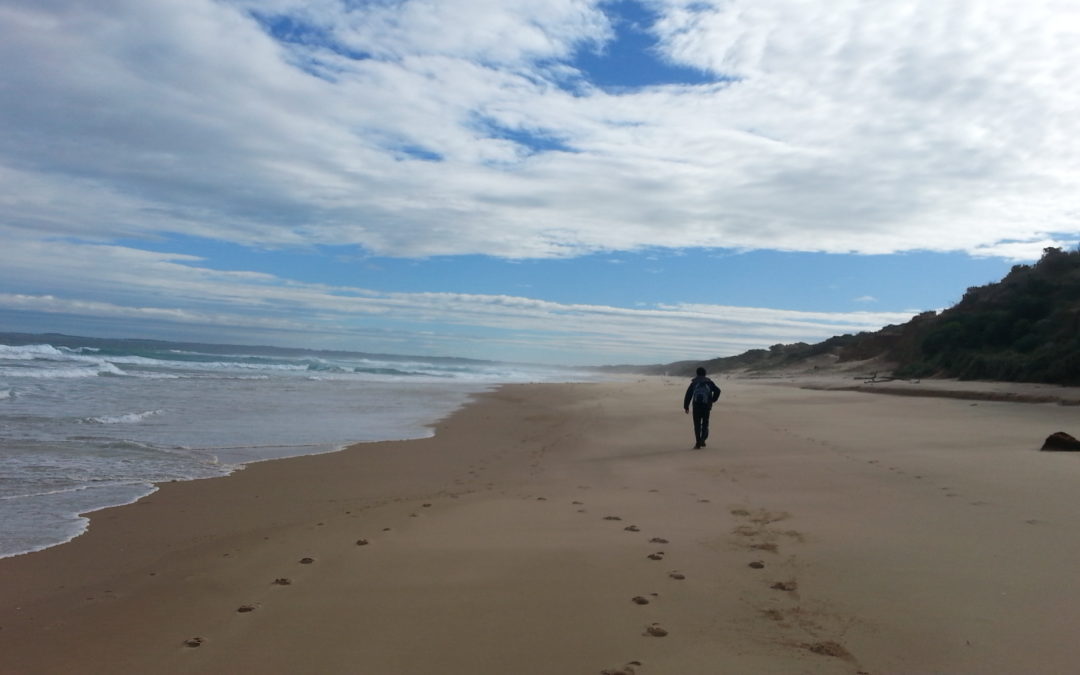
693	385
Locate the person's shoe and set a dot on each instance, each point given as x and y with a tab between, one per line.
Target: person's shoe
698	446
703	444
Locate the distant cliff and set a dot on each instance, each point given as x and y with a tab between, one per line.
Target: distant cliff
1024	328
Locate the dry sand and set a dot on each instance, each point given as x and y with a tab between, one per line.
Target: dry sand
820	532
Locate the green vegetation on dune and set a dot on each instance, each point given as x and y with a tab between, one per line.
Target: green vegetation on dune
1024	328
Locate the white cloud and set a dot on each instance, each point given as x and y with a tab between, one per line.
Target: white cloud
939	125
114	282
1022	251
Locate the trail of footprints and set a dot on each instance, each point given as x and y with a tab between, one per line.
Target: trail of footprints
653	629
755	534
199	641
759	532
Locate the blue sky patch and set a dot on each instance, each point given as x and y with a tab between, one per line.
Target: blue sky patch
632	59
417	152
535	140
290	30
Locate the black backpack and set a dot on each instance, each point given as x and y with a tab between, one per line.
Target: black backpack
702	393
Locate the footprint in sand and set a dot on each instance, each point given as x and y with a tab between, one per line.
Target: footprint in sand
658	540
677	575
757	564
828	648
282	581
632	528
773	614
362	542
655	630
659	555
306	561
639	600
612	518
194	642
628	669
243	609
785	586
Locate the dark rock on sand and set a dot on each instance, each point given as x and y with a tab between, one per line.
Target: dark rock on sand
1060	440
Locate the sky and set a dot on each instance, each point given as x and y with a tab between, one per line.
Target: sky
553	181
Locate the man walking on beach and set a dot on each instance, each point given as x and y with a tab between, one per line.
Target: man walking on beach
702	392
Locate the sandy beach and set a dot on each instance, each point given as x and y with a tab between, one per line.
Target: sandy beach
569	529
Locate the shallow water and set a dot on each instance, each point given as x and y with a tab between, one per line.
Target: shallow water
86	427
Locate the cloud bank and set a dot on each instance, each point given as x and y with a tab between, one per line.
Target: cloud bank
417	127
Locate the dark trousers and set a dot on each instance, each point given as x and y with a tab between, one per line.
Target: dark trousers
701	422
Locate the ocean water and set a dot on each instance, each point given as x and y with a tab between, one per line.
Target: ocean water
87	424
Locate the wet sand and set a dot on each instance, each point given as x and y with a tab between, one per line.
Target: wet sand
550	529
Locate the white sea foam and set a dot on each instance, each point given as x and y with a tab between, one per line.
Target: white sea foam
62	373
126	418
27	352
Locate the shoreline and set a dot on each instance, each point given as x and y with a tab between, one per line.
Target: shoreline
228	465
824	532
